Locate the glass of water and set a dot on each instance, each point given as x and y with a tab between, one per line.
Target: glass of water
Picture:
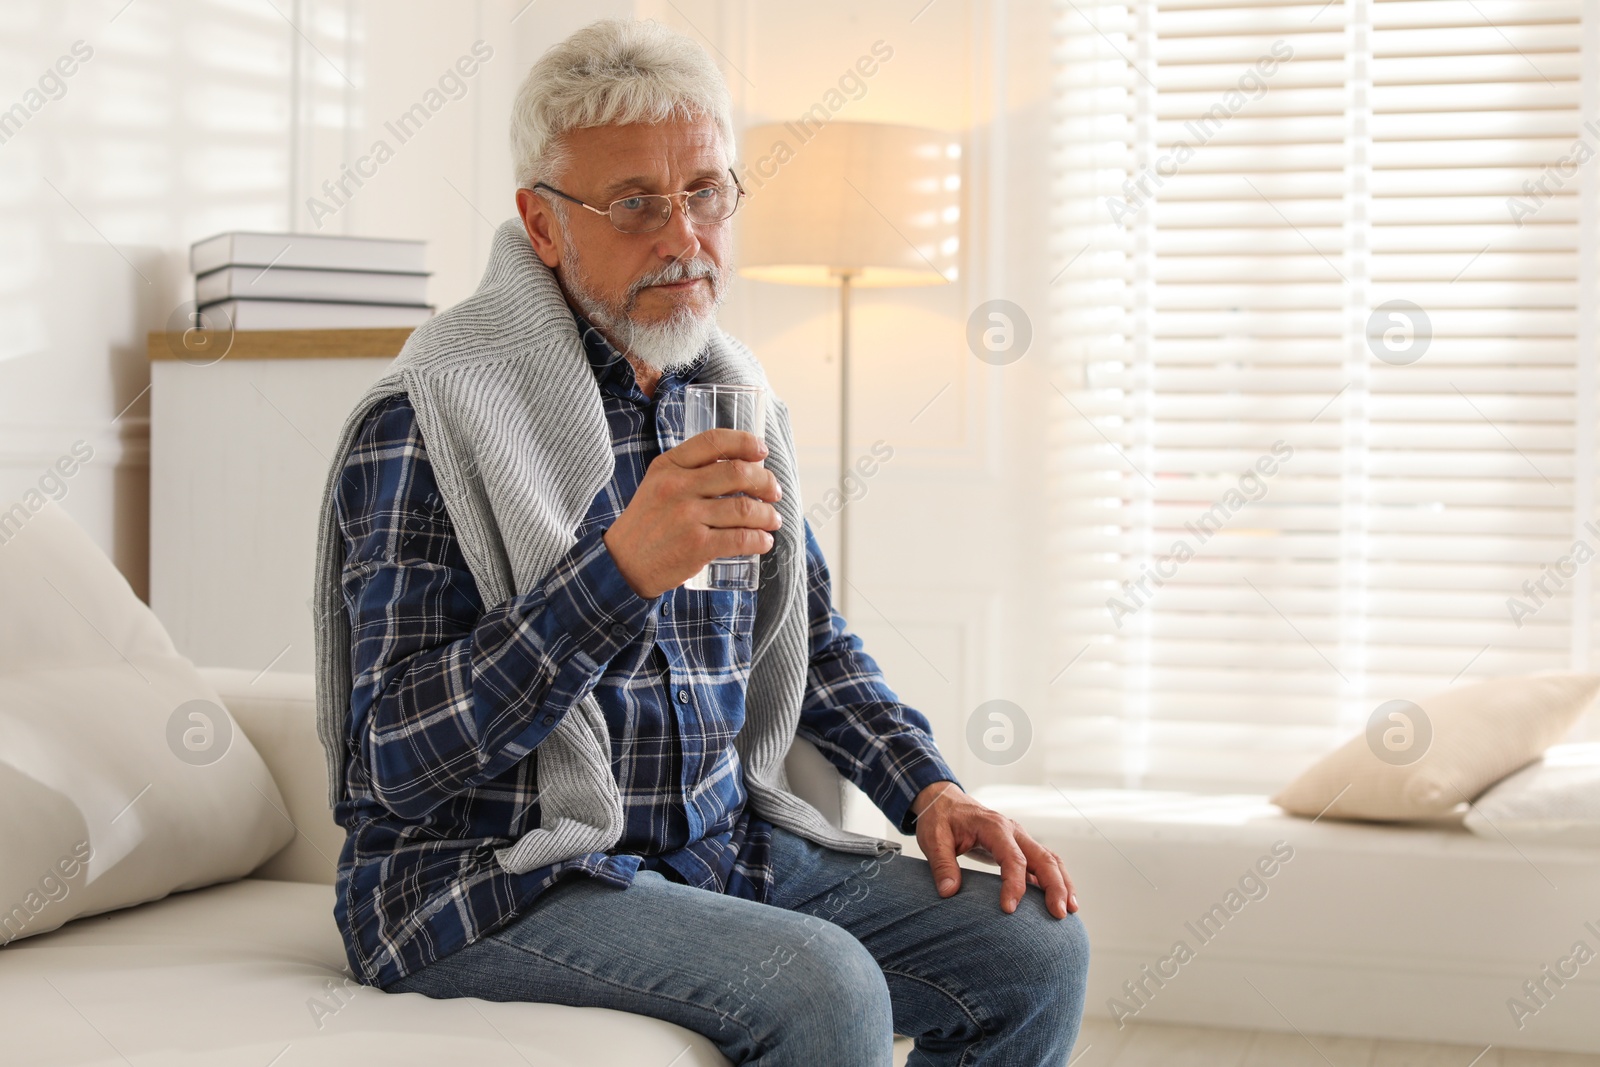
713	406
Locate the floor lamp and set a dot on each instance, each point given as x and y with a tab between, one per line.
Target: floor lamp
856	205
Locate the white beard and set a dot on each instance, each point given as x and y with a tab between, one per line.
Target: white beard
663	346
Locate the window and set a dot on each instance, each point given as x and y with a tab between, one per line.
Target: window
1325	423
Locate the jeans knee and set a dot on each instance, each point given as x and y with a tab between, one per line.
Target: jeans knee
1049	959
843	982
1072	954
823	999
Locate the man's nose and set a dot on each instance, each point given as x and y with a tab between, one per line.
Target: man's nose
677	240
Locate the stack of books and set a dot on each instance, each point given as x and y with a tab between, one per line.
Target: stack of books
298	281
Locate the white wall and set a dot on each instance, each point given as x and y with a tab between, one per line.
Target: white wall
946	545
192	117
175	126
196	116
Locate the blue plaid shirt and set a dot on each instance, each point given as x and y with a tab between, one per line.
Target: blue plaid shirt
449	698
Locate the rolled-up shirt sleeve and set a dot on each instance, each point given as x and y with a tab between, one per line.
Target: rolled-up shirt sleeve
447	695
884	746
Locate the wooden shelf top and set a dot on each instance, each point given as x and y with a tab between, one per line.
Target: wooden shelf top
201	347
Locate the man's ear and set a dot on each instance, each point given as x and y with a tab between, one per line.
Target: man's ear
539	219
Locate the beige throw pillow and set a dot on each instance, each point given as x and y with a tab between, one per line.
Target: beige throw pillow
122	776
1420	761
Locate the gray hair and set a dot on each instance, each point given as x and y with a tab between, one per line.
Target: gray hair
612	73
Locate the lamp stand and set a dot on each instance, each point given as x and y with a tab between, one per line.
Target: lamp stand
841	584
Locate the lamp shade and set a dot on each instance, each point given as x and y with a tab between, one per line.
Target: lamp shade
876	201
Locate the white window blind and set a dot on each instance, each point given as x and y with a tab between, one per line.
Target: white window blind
1243	191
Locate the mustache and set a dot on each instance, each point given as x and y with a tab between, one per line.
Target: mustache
675	272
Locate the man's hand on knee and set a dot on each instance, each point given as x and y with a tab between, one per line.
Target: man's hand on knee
950	823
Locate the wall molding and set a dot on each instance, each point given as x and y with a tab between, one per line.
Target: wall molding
972	615
35	446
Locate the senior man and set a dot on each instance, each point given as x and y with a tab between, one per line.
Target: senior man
559	769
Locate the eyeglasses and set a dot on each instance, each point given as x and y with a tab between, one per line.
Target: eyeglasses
647	212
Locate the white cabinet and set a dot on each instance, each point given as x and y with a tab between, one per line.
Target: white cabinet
239	454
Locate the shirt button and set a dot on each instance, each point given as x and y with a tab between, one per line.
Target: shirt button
619	630
549	720
683	696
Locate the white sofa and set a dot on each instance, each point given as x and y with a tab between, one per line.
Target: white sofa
253	972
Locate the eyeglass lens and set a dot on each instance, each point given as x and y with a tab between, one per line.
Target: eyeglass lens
638	214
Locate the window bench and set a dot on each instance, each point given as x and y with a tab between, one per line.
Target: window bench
1415	932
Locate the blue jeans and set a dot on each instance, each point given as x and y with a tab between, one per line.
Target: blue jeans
851	951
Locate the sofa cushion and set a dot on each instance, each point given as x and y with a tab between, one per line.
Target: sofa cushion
122	776
253	972
278	712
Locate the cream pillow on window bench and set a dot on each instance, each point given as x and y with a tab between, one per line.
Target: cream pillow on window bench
1421	760
1552	801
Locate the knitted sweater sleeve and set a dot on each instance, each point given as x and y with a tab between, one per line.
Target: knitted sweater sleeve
849	712
447	694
